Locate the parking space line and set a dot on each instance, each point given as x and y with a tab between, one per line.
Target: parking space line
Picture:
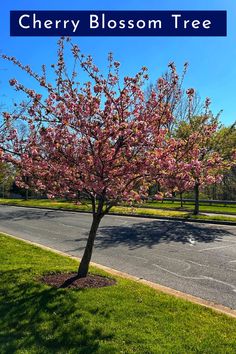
214	248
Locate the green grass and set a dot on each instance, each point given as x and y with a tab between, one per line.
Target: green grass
46	203
125	210
125	318
207	208
146	211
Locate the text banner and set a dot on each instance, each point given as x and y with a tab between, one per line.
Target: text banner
118	23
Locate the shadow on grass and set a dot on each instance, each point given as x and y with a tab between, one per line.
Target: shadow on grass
40	319
152	233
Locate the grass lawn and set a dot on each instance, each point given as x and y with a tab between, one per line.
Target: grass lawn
207	208
60	204
125	318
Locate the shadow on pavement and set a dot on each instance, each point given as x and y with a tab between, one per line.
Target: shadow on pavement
133	235
28	214
152	233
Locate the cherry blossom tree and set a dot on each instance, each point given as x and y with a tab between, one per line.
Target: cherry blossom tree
101	139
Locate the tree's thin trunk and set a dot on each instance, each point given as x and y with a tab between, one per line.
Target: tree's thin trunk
181	199
26	194
173	197
214	191
84	264
196	195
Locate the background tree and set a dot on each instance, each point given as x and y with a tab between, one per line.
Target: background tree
224	142
194	146
204	163
6	178
182	106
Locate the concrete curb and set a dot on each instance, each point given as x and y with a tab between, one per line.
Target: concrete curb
214	222
196	300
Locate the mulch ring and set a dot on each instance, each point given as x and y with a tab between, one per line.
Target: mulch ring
70	280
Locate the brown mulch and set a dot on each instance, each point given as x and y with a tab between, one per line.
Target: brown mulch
70	280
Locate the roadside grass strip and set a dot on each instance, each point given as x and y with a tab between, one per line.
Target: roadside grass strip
124	210
204	207
128	317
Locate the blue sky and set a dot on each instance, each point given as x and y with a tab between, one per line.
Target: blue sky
212	61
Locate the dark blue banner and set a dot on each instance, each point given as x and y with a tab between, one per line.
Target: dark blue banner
118	23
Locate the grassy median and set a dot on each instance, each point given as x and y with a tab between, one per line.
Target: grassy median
204	207
125	210
124	318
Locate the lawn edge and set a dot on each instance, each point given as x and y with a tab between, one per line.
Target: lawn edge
184	210
205	221
164	289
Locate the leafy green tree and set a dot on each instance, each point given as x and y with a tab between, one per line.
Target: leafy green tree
6	178
207	163
224	142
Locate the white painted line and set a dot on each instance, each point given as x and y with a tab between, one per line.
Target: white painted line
178	275
222	282
198	264
229	241
214	248
201	277
142	258
188	266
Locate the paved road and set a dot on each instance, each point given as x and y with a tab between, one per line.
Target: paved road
199	259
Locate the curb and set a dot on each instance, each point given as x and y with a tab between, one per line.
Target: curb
214	222
164	289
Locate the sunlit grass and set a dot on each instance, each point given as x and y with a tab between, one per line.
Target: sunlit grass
125	318
210	208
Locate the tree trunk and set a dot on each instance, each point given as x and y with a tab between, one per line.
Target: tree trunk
181	199
26	194
84	264
196	195
173	197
